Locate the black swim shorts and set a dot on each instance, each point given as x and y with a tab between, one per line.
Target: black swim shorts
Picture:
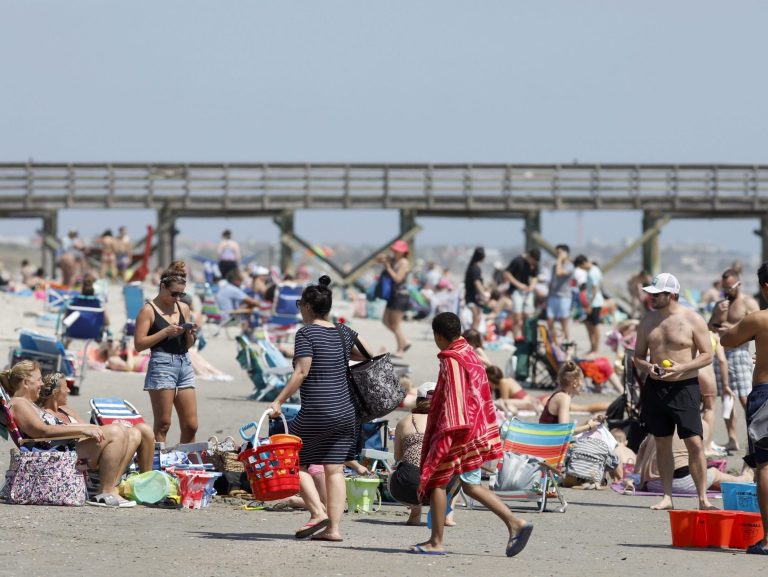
756	455
667	405
593	317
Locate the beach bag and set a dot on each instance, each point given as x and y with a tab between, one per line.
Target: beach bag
588	458
373	385
44	478
517	473
383	288
223	455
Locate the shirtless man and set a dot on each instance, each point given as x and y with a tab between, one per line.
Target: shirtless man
676	341
755	327
729	311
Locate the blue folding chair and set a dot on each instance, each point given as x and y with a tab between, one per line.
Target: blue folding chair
47	351
134	300
83	319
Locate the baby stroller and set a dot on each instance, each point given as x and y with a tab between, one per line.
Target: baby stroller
624	412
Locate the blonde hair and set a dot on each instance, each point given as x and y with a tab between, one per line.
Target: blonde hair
569	373
12	378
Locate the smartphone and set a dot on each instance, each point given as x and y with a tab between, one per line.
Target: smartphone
658	371
188	326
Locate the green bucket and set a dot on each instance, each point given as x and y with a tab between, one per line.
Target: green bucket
363	494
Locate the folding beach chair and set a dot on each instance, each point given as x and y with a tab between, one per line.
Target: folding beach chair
267	381
56	296
83	319
133	294
547	444
545	358
107	410
284	318
48	352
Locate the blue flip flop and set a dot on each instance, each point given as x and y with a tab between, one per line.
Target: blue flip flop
517	543
419	550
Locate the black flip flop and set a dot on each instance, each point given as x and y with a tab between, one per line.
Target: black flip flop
310	529
516	544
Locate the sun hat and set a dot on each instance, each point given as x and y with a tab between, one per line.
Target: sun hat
425	390
663	283
400	246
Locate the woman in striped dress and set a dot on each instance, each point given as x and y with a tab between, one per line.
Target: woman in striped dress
327	422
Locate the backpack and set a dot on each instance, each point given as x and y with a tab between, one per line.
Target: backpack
588	458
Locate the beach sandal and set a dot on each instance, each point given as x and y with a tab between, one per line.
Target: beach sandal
279	507
419	550
757	549
311	528
166	503
253	506
517	543
111	501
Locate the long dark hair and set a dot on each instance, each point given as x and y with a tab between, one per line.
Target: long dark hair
477	256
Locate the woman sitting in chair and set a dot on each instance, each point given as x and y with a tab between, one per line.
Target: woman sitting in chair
557	408
54	395
109	448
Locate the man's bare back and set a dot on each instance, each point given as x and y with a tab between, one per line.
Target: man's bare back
753	327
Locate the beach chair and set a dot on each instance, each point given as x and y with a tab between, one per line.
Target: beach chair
133	294
57	296
267	381
83	319
48	351
547	444
284	318
545	358
108	410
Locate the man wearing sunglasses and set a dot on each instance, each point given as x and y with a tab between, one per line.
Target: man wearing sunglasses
727	313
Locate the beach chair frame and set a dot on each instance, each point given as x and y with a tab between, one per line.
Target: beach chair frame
267	381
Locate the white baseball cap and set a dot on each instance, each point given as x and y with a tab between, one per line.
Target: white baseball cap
425	390
663	283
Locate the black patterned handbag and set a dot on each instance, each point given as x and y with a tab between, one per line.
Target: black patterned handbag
375	389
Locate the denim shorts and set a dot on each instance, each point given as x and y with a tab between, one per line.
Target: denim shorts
759	395
167	371
558	307
472	477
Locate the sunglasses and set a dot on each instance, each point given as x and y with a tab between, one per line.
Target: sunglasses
298	304
177	294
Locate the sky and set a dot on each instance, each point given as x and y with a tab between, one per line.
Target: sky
430	81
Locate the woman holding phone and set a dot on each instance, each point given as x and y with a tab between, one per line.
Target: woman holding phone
165	326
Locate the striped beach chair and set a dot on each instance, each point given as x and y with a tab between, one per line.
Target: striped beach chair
108	410
548	445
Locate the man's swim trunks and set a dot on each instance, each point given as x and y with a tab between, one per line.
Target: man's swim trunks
667	405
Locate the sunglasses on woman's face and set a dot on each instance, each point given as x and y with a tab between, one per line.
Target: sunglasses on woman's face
177	294
298	304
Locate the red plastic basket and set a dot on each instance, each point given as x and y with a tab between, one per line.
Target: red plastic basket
272	468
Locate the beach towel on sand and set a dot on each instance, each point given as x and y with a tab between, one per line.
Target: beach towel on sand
461	432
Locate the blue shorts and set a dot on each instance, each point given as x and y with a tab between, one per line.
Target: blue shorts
759	395
471	477
559	307
166	371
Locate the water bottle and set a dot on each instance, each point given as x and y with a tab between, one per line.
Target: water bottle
156	460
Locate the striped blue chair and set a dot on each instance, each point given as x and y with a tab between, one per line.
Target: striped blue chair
548	445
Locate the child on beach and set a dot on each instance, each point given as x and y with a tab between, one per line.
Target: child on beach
461	434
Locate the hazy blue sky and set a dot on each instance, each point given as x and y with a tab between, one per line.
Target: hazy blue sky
491	81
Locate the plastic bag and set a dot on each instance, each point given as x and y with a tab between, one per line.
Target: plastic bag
149	487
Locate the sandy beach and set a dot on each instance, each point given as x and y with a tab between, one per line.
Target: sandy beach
602	533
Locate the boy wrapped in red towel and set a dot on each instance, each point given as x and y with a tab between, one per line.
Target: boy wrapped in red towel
461	434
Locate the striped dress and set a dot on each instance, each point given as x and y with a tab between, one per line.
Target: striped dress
327	422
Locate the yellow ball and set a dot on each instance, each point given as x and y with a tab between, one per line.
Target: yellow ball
666	363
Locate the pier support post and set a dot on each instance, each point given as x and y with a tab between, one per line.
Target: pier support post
764	237
652	246
532	229
285	222
166	236
407	223
50	243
